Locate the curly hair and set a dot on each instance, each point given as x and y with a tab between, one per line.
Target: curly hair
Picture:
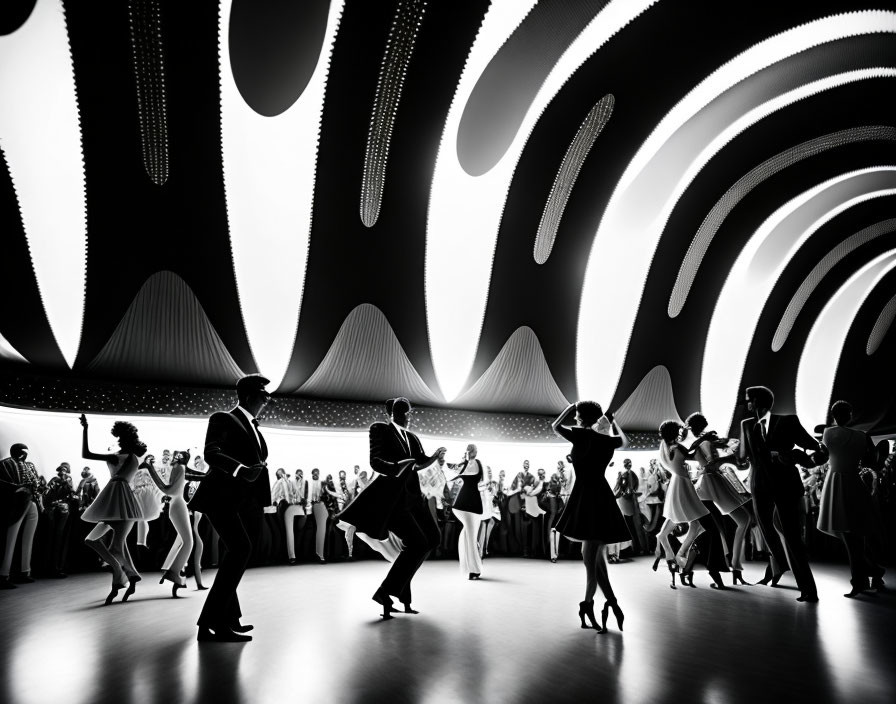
589	411
669	430
696	422
127	437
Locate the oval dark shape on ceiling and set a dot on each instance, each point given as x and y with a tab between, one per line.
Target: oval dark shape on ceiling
274	47
14	13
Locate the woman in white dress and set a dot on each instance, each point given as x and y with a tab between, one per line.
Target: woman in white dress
682	505
176	561
115	507
714	486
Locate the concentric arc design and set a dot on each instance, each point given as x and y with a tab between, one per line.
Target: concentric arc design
830	260
701	242
881	327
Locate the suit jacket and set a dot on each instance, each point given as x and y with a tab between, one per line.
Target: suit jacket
230	442
774	459
372	508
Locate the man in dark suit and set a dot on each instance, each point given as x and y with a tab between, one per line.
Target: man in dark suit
770	441
393	502
232	495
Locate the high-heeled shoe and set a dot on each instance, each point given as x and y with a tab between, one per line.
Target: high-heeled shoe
409	610
174	588
658	553
474	576
617	612
174	578
115	589
737	577
132	586
586	608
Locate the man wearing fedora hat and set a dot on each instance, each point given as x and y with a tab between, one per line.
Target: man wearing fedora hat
232	495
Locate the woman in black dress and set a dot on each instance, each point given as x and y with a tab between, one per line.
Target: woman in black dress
591	515
468	509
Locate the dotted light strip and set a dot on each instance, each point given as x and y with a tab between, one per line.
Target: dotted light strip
830	260
149	71
567	174
393	71
690	265
881	327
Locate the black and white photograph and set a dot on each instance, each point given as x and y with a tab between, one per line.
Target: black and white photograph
435	351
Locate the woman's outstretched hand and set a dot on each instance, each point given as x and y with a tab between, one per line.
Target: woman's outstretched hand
83	420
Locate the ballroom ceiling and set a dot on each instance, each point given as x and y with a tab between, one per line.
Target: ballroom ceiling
495	206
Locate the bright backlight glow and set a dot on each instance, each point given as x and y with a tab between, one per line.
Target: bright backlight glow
41	136
824	345
757	270
722	106
465	211
269	172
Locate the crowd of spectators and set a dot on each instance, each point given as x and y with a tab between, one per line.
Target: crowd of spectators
520	508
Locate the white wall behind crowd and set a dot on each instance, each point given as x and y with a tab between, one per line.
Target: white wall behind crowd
55	437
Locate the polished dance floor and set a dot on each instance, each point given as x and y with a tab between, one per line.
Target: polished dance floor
511	637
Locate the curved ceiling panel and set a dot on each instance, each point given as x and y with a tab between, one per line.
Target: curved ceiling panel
709	227
519	380
881	327
269	172
567	174
809	284
7	351
41	137
366	360
275	48
165	334
393	69
465	211
756	271
772	74
502	95
652	402
821	354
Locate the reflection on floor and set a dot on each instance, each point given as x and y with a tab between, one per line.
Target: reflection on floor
511	637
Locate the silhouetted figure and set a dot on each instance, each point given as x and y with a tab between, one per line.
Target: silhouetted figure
116	507
846	508
393	502
591	514
232	496
768	440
